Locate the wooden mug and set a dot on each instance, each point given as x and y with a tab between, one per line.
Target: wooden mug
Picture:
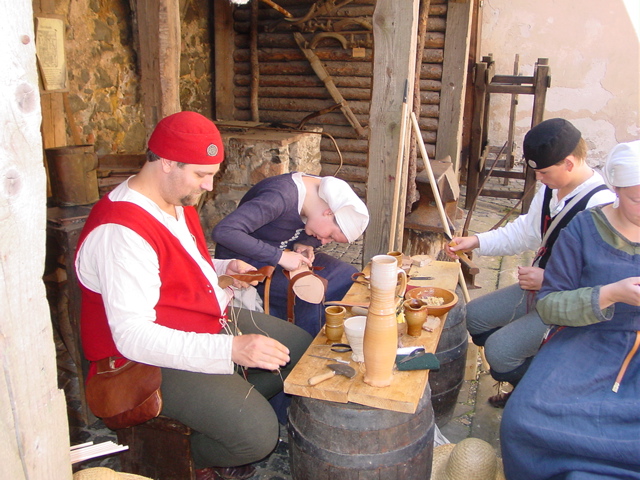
334	322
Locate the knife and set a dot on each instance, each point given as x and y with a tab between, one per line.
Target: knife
332	359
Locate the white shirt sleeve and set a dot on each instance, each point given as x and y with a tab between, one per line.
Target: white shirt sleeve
515	237
524	232
120	265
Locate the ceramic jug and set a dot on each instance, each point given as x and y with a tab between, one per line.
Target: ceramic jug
387	286
415	314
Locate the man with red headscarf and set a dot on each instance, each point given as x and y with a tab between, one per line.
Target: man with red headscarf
150	294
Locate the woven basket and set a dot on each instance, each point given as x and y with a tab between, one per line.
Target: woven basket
102	473
471	459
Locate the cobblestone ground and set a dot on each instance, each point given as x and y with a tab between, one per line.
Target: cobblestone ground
472	416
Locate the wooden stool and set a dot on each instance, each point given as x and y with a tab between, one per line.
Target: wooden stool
159	449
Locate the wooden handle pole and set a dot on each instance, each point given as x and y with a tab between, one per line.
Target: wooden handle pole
436	194
321	378
399	162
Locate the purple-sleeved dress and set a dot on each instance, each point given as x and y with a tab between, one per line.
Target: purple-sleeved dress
265	223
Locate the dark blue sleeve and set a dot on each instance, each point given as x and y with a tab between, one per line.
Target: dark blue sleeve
234	232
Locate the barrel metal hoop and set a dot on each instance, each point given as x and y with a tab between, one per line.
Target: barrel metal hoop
362	461
452	354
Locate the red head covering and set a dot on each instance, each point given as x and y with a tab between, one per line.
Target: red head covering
187	137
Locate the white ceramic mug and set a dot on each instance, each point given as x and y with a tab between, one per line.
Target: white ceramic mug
354	330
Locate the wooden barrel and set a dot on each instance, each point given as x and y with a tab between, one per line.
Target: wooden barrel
336	441
452	354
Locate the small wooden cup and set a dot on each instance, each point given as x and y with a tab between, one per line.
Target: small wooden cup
334	322
398	256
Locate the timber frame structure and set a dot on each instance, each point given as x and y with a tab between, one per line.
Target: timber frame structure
318	67
291	63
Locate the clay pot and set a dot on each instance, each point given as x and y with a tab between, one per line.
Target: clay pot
334	322
381	330
415	314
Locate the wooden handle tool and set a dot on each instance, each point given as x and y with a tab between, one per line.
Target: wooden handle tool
345	370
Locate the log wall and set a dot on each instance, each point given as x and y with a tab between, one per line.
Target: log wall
289	89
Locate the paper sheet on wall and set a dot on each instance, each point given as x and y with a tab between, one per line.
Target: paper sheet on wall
50	53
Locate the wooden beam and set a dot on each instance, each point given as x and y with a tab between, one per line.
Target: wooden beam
224	48
412	194
454	76
395	24
159	40
35	433
255	65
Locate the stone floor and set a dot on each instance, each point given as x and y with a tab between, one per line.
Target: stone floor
472	417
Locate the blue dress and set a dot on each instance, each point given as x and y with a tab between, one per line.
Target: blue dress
564	421
265	223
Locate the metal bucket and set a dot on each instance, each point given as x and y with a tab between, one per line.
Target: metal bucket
73	176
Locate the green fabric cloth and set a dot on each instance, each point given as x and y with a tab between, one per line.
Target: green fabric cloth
426	361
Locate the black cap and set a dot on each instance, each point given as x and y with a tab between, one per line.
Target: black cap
550	142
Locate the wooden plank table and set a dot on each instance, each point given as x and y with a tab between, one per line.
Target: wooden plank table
407	387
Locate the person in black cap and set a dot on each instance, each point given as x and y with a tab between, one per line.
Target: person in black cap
505	321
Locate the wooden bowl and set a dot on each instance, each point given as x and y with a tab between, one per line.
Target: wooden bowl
450	298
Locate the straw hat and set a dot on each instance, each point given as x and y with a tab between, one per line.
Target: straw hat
102	473
471	459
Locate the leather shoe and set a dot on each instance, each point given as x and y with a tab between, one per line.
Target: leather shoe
499	400
226	473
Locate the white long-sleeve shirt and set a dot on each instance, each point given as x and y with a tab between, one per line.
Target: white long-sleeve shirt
119	264
523	233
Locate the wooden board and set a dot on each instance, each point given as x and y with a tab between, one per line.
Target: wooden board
407	387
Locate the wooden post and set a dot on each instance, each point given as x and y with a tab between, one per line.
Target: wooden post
159	49
412	158
224	36
541	82
395	25
255	66
35	433
454	71
475	149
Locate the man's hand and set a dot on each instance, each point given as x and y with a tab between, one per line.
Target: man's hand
293	261
236	267
530	278
461	244
258	351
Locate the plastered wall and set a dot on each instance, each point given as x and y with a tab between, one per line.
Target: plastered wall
594	56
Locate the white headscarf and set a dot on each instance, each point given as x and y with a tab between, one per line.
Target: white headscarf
351	213
622	168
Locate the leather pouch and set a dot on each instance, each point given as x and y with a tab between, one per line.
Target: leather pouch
124	395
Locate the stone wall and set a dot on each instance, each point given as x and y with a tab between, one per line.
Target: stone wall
104	79
594	61
252	155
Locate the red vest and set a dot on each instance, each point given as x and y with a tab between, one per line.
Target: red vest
187	300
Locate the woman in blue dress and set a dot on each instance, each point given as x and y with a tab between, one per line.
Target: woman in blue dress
576	413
